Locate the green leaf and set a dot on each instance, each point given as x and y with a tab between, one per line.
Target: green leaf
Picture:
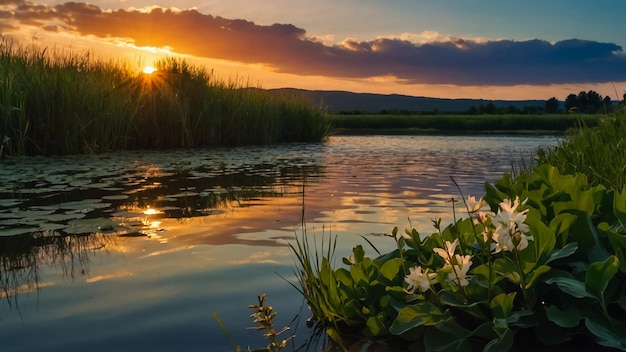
570	286
569	318
543	242
619	206
506	267
344	277
375	325
604	335
564	252
598	276
413	316
504	342
336	337
587	236
502	304
436	340
473	308
391	268
358	253
358	276
561	225
534	275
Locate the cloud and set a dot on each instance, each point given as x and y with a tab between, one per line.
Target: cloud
426	58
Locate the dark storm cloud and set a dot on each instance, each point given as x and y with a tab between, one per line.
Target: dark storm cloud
286	48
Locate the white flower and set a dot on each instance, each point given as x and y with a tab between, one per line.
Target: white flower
459	270
479	209
474	205
510	227
448	253
418	279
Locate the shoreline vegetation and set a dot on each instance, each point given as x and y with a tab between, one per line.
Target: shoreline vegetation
538	262
456	124
56	102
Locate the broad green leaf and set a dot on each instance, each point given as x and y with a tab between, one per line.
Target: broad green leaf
605	336
543	241
436	340
344	277
618	242
472	308
503	343
391	268
587	236
375	325
570	286
358	276
534	275
561	225
413	316
358	253
485	331
569	318
598	276
564	252
506	267
502	305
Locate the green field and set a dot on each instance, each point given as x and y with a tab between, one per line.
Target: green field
544	123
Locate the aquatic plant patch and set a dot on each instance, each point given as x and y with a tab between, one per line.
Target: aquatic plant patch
538	260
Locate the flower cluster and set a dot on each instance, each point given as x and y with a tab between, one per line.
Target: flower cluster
502	232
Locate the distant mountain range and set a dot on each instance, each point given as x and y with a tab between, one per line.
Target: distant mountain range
337	101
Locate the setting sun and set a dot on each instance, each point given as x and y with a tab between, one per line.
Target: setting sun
149	70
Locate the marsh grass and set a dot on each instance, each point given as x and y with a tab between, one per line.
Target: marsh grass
60	102
547	123
598	152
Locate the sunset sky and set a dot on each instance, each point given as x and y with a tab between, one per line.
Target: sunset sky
450	49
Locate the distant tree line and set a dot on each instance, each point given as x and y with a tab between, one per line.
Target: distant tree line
584	103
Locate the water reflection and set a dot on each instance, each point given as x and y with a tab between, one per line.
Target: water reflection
135	250
22	256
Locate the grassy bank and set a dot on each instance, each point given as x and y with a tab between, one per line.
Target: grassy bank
598	153
54	102
546	123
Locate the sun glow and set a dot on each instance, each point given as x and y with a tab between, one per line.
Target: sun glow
149	70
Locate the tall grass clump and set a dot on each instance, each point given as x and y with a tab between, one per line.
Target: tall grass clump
59	102
599	153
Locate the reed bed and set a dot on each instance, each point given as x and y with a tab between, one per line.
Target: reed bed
59	102
558	123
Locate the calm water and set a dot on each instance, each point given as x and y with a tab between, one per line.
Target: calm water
135	251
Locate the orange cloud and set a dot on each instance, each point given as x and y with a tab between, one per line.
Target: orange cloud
411	59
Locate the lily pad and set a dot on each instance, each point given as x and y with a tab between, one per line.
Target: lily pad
116	197
15	231
10	202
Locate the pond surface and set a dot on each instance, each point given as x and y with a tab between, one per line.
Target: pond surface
137	250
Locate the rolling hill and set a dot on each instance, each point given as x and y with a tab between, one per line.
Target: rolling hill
338	101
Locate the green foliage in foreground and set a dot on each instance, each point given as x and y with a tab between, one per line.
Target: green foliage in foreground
462	123
599	153
61	103
543	271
